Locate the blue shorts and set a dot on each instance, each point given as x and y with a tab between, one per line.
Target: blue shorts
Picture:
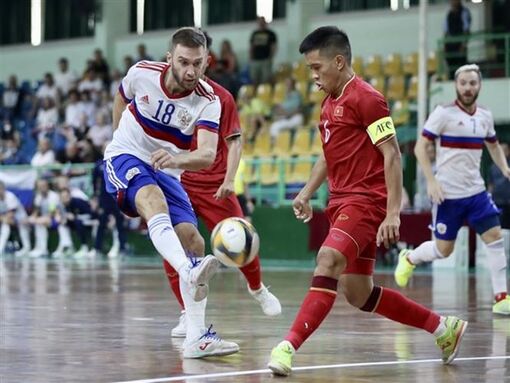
126	174
479	211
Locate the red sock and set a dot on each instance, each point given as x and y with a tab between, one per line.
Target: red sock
315	307
173	279
395	306
500	297
251	272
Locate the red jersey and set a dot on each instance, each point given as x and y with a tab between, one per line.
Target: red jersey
229	127
351	127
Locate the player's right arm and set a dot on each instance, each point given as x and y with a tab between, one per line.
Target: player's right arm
301	204
430	132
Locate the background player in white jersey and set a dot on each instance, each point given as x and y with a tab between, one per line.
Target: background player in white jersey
458	190
12	213
150	149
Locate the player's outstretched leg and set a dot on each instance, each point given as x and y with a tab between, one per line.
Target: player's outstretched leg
449	342
252	272
404	270
208	343
496	261
408	259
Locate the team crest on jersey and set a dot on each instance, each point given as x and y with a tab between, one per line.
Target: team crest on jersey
184	117
131	173
441	228
339	111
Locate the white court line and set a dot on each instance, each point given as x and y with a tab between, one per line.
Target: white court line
306	368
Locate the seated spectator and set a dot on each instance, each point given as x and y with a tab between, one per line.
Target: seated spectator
47	117
88	106
224	78
78	216
105	105
71	154
229	57
46	203
289	114
255	113
63	182
74	110
10	153
91	83
100	67
7	131
65	80
13	215
101	132
44	155
116	80
11	100
128	63
48	89
142	53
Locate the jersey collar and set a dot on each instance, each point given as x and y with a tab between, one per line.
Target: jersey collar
459	105
345	86
165	90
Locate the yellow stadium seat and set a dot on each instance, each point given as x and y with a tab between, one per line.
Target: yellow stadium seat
316	147
400	113
300	71
315	116
411	64
432	63
265	93
247	149
262	146
281	147
246	92
301	145
357	65
378	83
373	66
282	72
316	95
301	172
302	87
396	88
250	175
393	65
279	92
268	173
412	91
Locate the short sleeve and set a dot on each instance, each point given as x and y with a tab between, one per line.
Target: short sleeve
210	117
491	132
126	87
434	124
375	118
229	122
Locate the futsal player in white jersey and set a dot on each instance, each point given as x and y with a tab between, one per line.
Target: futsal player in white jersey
458	191
156	111
12	213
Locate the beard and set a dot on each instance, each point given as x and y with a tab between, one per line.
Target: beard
467	101
185	85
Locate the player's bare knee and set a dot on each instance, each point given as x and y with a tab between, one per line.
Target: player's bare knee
356	290
445	249
149	201
329	262
492	235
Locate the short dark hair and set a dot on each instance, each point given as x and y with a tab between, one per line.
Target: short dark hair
329	40
208	39
189	37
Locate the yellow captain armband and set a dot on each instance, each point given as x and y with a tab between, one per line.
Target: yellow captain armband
381	129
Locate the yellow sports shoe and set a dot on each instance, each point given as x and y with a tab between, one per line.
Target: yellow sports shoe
502	307
281	359
404	269
449	342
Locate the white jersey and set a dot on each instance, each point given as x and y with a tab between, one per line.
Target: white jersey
12	203
459	150
47	205
156	119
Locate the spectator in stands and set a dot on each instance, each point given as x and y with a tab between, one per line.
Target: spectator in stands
91	82
289	114
229	57
225	78
44	155
499	186
10	153
7	131
101	132
254	112
100	67
262	50
11	100
47	117
46	203
128	63
89	108
48	89
457	23
13	215
87	151
73	110
65	80
105	105
116	79
77	215
142	53
71	154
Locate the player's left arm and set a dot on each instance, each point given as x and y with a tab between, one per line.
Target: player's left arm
235	145
498	156
200	158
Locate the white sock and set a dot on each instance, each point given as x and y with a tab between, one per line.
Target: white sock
41	238
441	328
426	252
5	231
25	236
496	261
167	243
195	312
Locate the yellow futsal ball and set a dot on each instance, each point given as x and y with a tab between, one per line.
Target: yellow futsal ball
235	242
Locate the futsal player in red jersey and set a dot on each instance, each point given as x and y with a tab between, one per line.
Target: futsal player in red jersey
212	196
361	161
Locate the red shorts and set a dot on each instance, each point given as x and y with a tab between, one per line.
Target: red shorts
353	230
211	210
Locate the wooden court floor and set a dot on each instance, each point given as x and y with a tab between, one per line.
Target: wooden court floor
100	321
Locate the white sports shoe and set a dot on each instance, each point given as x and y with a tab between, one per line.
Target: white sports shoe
270	304
179	331
209	344
200	272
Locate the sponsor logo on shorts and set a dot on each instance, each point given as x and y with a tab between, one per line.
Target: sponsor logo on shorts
131	173
441	228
